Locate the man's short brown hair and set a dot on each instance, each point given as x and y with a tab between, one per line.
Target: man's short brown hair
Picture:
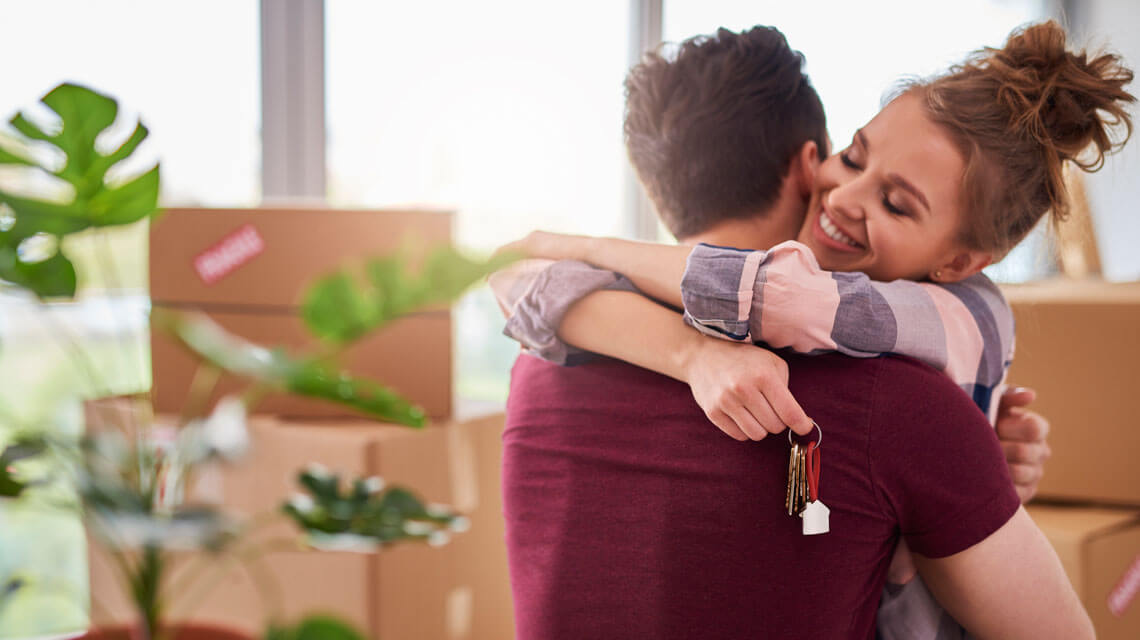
712	128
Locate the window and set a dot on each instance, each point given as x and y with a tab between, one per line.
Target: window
507	111
191	68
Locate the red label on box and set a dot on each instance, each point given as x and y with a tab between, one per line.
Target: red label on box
1125	591
231	252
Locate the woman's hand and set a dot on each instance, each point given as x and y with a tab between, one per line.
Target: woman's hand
743	389
1023	436
553	246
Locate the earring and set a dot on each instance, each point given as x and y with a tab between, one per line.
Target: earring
938	274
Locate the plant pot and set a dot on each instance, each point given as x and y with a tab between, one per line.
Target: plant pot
189	631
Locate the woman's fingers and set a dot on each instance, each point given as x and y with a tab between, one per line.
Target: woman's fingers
1034	453
726	424
748	421
1025	474
773	399
789	411
1022	425
755	403
1015	397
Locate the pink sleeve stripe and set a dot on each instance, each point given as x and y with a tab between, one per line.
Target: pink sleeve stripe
800	299
748	284
962	336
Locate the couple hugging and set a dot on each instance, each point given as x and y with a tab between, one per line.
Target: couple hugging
629	516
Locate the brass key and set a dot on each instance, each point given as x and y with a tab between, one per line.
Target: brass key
793	462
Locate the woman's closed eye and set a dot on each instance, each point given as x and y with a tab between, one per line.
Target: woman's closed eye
890	206
845	158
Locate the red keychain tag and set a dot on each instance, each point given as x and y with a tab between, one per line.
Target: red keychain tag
816	515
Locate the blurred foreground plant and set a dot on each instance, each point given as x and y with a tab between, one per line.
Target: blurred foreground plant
129	481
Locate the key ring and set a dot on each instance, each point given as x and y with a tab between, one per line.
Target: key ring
818	443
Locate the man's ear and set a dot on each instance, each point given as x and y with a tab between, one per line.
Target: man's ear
961	265
804	167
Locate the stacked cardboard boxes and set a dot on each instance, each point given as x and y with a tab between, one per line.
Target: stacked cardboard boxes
247	269
458	591
1100	550
1078	345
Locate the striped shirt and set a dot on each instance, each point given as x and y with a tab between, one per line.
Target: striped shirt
782	298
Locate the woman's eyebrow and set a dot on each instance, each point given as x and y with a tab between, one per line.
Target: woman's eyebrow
895	178
905	185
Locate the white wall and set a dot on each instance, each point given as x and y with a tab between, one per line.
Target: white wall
1114	192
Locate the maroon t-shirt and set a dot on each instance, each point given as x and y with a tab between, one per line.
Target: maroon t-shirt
630	515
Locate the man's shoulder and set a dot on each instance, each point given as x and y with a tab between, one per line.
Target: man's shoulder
529	369
601	375
893	370
907	385
604	383
889	385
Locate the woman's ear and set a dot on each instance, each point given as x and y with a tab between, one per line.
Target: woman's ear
961	265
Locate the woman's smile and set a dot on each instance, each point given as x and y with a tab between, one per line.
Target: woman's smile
887	205
831	235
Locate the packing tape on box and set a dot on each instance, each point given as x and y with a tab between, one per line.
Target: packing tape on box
464	467
460	612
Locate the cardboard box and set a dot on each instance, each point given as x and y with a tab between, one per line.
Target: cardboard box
1078	345
249	268
459	591
1100	550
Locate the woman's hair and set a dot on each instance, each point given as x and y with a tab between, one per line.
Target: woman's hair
1018	114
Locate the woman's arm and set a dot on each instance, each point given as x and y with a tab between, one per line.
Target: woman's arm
656	269
557	309
743	389
783	298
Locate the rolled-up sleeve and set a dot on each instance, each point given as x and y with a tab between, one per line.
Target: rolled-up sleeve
536	295
782	297
717	290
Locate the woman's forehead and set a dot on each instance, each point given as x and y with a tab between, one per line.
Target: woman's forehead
903	139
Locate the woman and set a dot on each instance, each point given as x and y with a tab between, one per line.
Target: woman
946	179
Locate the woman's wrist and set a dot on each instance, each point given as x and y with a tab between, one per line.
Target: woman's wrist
585	246
687	355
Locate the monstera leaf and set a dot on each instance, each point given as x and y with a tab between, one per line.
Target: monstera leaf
51	277
339	308
11	485
316	627
279	370
82	116
342	307
366	516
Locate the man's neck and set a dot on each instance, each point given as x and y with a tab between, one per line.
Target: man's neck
761	231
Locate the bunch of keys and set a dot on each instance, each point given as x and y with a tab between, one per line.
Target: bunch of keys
802	496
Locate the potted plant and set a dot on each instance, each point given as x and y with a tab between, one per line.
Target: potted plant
128	481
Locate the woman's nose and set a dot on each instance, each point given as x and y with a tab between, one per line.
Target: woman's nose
848	200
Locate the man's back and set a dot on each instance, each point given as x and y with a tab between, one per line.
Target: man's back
630	516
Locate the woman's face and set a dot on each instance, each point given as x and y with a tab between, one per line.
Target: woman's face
888	205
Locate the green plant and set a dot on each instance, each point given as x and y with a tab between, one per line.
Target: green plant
127	483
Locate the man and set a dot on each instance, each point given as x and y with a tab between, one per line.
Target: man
628	517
